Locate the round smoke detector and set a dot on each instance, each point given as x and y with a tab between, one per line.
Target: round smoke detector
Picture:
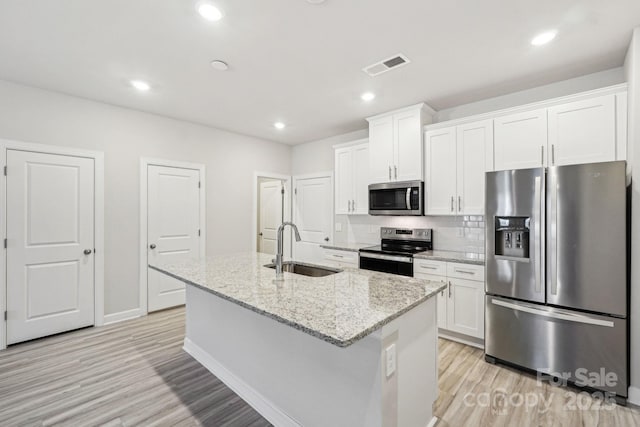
219	65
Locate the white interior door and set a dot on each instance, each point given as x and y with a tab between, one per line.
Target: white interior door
50	244
313	214
271	205
173	228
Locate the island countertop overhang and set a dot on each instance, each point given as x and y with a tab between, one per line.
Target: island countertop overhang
340	309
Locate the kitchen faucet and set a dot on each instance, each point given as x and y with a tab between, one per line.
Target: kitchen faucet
278	260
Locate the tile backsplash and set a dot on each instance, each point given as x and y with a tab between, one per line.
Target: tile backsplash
450	233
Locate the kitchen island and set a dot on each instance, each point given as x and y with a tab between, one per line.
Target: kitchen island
355	348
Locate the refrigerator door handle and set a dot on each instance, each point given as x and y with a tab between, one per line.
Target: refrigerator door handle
553	241
538	239
577	318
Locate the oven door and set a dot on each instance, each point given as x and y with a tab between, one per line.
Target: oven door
394	264
396	198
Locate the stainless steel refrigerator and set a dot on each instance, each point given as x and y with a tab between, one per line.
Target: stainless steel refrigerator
556	272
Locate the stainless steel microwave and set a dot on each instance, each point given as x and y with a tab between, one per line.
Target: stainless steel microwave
396	198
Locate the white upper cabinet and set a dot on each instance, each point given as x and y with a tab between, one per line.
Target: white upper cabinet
395	144
408	145
456	159
520	140
440	161
352	179
344	180
361	179
381	149
474	158
586	128
583	131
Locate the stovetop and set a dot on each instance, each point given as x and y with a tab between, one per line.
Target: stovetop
400	241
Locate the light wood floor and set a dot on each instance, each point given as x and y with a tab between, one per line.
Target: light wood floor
135	373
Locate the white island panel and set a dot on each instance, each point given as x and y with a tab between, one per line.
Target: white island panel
293	378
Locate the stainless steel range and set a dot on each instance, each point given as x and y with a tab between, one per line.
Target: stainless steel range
395	252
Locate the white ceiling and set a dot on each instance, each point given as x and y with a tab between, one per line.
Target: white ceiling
301	63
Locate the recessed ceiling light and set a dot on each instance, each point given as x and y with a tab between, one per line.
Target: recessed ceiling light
220	65
316	1
544	38
368	96
142	86
209	12
279	125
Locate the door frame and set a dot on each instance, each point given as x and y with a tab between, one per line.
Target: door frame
98	214
327	174
288	206
145	162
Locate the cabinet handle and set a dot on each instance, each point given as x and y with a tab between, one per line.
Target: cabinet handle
542	155
449	288
337	256
353	206
452	203
459	204
553	154
395	171
465	271
429	267
389	173
348	205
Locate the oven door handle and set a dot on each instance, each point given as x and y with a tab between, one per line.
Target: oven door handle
407	260
408	198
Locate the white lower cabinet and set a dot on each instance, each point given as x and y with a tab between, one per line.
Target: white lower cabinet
342	258
461	303
465	311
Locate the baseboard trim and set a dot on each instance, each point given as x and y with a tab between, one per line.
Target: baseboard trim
122	316
256	400
634	395
459	338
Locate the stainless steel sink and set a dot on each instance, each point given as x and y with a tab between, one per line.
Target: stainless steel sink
305	269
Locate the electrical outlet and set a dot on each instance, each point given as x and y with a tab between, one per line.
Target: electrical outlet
390	353
338	227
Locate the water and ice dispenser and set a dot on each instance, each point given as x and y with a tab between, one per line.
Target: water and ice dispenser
512	236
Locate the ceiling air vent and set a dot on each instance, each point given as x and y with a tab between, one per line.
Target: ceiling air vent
385	65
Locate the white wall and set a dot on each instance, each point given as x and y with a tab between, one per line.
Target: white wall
34	115
317	156
540	93
632	72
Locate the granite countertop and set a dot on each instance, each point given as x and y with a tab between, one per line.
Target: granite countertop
340	309
351	247
452	256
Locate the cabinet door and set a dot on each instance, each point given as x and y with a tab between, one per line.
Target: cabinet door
520	140
360	204
465	307
381	150
475	157
441	297
408	146
344	180
583	131
440	161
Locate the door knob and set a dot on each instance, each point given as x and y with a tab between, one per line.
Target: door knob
326	239
87	251
152	246
260	234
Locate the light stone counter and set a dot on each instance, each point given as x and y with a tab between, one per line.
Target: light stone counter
341	308
452	256
350	247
